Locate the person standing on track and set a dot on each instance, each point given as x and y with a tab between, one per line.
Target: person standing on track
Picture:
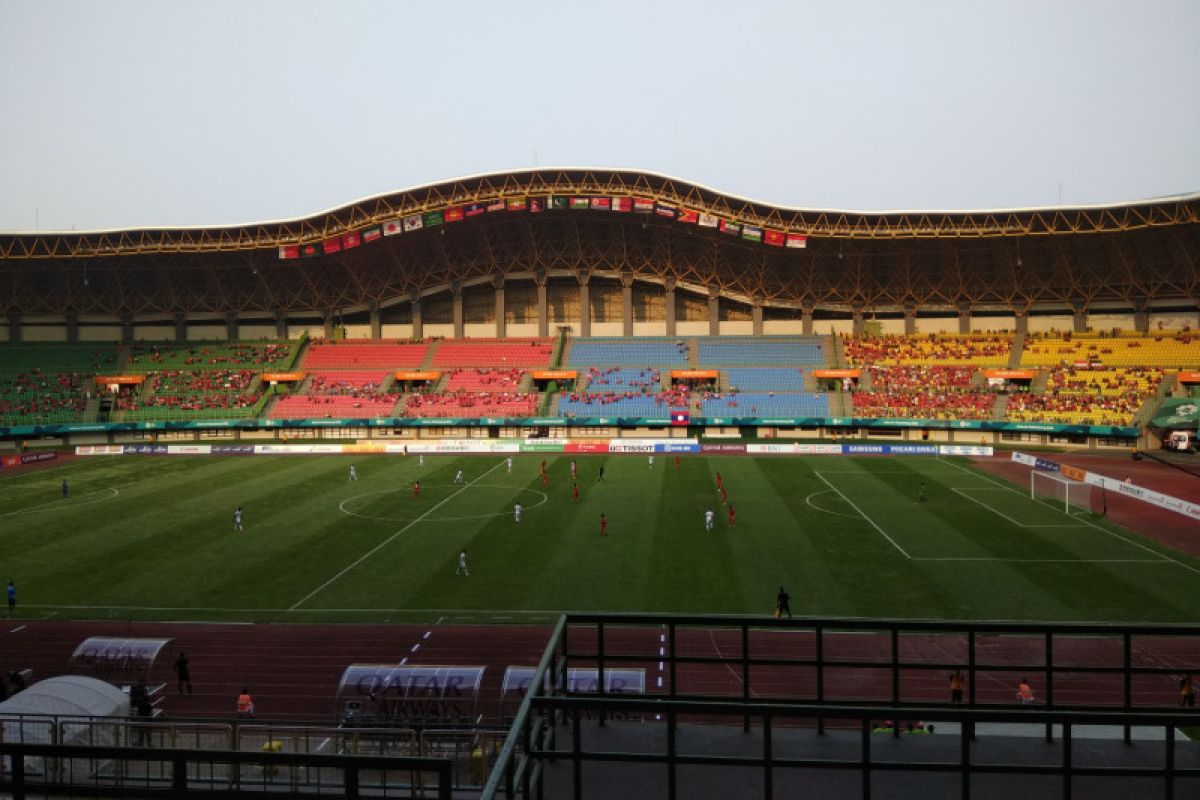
183	673
1025	692
783	604
11	592
245	705
957	683
1187	693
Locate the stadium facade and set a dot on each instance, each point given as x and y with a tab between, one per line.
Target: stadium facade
607	252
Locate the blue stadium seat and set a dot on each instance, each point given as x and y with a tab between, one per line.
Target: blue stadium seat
727	351
600	352
763	404
766	379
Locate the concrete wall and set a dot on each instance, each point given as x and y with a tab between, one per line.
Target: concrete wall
1063	322
99	333
738	328
650	329
396	331
783	327
691	328
200	333
257	330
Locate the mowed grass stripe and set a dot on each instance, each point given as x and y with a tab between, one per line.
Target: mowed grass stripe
167	541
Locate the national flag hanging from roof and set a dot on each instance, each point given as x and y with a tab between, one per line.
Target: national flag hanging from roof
536	204
642	205
622	204
773	238
431	218
496	205
601	204
454	214
708	221
331	245
310	250
475	209
391	227
289	251
371	234
557	203
751	233
729	227
413	223
353	239
579	203
681	417
664	210
516	204
797	240
687	215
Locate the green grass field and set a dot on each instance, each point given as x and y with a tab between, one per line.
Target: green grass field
153	538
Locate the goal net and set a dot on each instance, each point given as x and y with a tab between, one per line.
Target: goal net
1062	493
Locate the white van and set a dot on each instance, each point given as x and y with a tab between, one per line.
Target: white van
1182	441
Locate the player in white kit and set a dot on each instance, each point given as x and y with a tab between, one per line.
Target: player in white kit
708	520
517	512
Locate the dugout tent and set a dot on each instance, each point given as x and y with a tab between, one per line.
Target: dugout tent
116	659
64	710
386	694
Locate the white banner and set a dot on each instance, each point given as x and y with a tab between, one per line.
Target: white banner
456	446
189	449
99	450
964	450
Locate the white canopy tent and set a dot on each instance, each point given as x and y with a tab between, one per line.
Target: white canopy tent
64	710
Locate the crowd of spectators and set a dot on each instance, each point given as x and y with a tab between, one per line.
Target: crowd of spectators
192	390
1088	396
488	379
970	348
677	396
37	394
645	381
349	384
874	404
471	404
191	354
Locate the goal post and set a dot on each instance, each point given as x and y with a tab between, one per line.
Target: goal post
1061	492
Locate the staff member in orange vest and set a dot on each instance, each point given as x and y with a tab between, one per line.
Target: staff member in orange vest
1024	692
245	704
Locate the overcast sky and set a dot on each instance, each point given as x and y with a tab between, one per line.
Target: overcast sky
132	114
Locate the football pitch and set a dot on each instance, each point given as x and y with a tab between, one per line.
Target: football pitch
154	538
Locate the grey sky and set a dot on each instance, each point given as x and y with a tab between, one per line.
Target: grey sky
129	114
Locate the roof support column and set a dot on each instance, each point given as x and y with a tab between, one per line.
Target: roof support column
857	316
180	320
1141	315
501	320
669	305
964	318
14	326
585	307
627	304
806	320
376	320
1079	316
418	329
127	329
327	323
72	327
281	331
714	311
543	302
1022	319
910	320
456	300
231	325
756	317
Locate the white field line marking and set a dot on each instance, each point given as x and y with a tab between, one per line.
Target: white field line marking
59	505
853	505
999	513
1045	560
1087	522
17	629
809	501
390	539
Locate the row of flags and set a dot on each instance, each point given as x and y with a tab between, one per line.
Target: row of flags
536	205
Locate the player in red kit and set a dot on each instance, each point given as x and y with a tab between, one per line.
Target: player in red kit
603	525
724	496
575	493
545	481
720	482
676	462
416	490
731	515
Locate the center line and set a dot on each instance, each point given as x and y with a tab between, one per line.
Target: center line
390	539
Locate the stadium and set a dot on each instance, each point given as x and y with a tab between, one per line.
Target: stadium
433	475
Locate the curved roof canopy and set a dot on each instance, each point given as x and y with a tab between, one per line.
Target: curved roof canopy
69	695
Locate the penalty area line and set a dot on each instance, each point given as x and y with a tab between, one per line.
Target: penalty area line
872	522
390	539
